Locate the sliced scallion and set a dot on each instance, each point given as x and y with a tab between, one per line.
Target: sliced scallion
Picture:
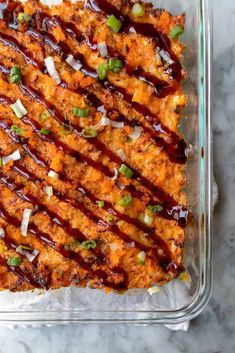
14	261
88	133
45	132
52	174
22	248
141	257
82	113
102	71
138	10
148	220
17	129
66	129
115	65
124	170
100	203
110	219
24	17
88	244
44	115
125	200
15	75
114	23
155	208
18	109
176	32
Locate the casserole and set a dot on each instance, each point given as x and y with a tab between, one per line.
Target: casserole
137	305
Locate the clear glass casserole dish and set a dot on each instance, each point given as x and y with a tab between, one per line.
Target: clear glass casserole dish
178	301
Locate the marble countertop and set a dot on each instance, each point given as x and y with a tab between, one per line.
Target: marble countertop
213	331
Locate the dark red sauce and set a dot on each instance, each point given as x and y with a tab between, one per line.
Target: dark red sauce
164	256
176	149
13	43
161	88
172	209
65	253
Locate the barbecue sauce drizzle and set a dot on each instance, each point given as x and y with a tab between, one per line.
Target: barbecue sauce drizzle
42	22
64	50
171	210
164	259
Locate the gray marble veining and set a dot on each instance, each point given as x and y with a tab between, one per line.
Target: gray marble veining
214	330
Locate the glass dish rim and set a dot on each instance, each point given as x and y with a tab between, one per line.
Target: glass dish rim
202	295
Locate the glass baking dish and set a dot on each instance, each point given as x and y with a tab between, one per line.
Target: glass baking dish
178	301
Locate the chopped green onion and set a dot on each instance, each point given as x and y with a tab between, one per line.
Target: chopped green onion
138	10
88	244
73	245
114	23
82	113
66	129
115	65
125	200
15	71
24	17
155	208
176	32
14	261
45	131
44	115
88	133
15	75
17	130
126	171
100	204
21	248
141	257
1	162
18	109
110	219
102	71
148	220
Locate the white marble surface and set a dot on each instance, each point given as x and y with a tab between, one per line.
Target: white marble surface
214	330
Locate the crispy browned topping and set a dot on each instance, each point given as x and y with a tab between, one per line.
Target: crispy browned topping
93	191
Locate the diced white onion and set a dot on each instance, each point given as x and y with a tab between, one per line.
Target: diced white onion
48	190
115	246
121	186
2	233
53	175
103	49
104	121
75	64
131	244
25	221
153	290
165	56
117	124
30	255
15	156
148	220
121	154
50	65
18	109
115	174
141	256
135	134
